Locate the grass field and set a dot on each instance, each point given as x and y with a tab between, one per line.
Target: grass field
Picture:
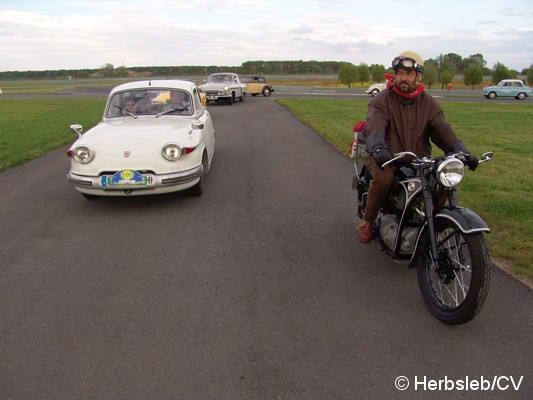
499	191
33	127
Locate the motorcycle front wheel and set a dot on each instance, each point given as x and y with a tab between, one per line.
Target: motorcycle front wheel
455	287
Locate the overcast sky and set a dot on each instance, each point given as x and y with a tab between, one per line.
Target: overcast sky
70	34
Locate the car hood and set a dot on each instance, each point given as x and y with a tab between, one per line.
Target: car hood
128	143
214	86
143	133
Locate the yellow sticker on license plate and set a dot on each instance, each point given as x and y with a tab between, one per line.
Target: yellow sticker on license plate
126	177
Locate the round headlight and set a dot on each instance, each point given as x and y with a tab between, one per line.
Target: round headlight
83	154
226	88
172	151
450	172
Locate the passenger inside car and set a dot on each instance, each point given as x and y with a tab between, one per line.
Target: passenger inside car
144	105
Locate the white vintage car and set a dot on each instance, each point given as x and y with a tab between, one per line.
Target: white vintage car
376	88
223	86
155	137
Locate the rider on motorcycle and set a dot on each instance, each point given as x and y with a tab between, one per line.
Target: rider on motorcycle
402	117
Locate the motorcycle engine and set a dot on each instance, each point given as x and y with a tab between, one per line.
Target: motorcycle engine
388	229
409	236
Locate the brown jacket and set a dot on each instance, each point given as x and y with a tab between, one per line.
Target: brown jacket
408	124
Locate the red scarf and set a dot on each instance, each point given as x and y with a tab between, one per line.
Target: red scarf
412	95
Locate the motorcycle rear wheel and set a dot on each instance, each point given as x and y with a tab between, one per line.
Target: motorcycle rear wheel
456	287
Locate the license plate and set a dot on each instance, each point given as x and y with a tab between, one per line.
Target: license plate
211	97
126	177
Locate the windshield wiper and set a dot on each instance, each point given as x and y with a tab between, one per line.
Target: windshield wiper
172	110
126	111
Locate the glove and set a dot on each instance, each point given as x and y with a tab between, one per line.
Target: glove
469	159
375	145
381	156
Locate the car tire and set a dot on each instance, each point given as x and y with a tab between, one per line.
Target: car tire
521	96
266	91
491	95
198	189
374	92
243	96
231	100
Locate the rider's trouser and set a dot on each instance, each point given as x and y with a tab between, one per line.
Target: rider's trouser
382	181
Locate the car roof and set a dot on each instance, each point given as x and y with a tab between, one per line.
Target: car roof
156	84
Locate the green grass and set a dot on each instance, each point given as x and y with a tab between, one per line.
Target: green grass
33	127
499	191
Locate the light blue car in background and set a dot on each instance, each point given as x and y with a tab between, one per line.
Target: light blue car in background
508	88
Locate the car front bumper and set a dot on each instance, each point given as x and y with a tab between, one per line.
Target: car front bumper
216	97
158	183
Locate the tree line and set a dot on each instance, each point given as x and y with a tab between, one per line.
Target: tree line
438	70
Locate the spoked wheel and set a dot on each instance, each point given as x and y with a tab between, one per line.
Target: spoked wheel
454	288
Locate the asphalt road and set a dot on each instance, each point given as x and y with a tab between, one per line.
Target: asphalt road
256	290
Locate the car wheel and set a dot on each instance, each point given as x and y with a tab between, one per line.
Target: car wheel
231	100
198	189
521	96
492	95
374	92
243	96
266	91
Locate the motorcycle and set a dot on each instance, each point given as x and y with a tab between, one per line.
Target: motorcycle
444	243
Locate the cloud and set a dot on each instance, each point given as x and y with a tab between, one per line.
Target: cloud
81	34
302	30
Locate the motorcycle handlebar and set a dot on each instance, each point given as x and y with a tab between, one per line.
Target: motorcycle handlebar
396	156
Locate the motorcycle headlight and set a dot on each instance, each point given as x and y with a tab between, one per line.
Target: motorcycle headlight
172	151
83	154
450	172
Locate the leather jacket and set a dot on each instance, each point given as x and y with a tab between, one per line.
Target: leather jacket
403	124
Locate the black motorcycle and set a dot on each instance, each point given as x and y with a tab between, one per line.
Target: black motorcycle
422	223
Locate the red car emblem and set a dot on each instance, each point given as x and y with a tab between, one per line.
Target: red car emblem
127	154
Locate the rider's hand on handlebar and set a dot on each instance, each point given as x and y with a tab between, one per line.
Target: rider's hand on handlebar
381	156
471	161
468	158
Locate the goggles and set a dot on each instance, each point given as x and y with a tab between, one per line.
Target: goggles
404	62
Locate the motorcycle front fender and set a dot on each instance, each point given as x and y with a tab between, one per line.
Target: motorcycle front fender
467	220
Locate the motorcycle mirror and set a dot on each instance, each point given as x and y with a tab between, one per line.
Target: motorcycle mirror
486	157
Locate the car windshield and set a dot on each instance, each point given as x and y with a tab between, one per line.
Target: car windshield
219	78
149	102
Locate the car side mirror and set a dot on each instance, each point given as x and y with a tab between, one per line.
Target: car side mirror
77	128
